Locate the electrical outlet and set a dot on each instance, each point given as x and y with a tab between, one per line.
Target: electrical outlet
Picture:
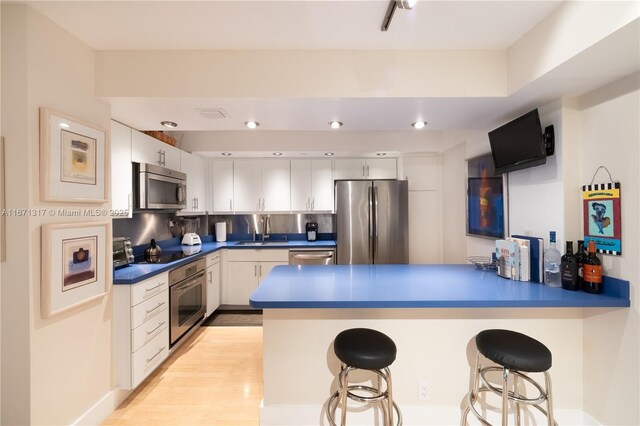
424	390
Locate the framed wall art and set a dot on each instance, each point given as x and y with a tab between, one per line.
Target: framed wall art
601	215
74	157
486	199
73	265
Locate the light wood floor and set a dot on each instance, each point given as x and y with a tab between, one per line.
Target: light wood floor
215	378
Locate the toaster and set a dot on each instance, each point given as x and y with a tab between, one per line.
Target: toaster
122	252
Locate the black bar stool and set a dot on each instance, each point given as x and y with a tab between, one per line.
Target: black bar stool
516	354
364	349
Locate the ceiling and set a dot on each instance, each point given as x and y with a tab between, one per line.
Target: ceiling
311	25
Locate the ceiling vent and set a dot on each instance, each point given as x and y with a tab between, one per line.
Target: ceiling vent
213	112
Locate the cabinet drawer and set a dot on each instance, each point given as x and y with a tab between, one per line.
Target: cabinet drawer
213	258
266	255
148	288
149	309
150	329
150	356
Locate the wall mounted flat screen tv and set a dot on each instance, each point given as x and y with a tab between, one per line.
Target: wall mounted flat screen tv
518	144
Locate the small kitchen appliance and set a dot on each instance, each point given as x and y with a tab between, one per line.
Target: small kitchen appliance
122	252
190	237
152	254
312	231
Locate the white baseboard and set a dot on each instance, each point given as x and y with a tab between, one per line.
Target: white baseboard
313	415
98	411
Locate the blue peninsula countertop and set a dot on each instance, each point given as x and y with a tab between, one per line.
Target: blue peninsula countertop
135	273
418	286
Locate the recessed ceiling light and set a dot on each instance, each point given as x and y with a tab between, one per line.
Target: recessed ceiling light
381	154
169	124
226	154
419	124
64	125
251	124
277	154
328	154
335	124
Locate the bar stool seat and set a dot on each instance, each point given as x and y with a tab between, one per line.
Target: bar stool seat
516	354
364	349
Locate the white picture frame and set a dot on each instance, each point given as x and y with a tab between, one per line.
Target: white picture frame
74	265
74	156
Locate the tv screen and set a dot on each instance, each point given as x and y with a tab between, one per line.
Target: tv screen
518	144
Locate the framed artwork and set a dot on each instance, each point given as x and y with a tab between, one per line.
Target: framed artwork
601	217
486	199
73	265
73	159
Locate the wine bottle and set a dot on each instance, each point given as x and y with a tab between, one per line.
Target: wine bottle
581	255
569	269
552	263
592	271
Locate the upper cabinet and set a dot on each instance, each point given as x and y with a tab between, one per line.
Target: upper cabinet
365	168
220	186
311	185
121	171
194	166
145	149
261	185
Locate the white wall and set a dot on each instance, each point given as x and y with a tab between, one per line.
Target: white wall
56	368
610	136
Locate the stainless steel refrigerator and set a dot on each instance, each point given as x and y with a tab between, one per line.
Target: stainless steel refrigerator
372	221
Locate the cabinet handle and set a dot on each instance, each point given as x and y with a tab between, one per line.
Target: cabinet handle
210	277
255	270
149	333
155	355
197	203
164	157
230	206
367	171
313	203
129	203
263	204
260	269
308	204
151	310
160	157
153	288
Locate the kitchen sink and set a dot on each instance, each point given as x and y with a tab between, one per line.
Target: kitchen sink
261	243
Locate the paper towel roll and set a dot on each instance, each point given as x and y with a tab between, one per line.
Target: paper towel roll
221	231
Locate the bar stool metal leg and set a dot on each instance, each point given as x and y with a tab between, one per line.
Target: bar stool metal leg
505	396
547	383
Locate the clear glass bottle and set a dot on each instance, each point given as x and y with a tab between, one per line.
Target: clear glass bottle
552	260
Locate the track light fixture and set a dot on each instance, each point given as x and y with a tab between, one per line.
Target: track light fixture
393	4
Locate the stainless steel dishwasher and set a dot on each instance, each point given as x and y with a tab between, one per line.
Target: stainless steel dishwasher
312	257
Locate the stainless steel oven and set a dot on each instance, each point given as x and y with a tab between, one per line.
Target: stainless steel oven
157	187
187	298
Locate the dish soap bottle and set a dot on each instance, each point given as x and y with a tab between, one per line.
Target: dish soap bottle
552	263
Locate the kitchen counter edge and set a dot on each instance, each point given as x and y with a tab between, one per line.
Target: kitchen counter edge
134	274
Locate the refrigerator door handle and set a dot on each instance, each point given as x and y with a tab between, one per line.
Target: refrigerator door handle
371	224
374	213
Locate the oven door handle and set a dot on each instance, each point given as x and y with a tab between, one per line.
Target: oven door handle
189	283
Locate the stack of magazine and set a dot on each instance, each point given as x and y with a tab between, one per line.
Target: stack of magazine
520	258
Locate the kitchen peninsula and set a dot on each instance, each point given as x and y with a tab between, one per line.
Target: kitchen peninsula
305	308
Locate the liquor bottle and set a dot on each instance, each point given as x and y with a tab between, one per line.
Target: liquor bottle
552	263
569	269
581	255
592	271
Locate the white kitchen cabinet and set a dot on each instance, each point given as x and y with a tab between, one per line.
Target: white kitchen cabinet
145	149
141	329
311	185
247	186
276	185
194	167
220	181
365	168
213	282
246	269
261	185
121	170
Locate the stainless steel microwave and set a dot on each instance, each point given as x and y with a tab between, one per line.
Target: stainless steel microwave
158	188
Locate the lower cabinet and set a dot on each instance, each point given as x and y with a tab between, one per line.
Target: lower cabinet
213	282
141	329
245	270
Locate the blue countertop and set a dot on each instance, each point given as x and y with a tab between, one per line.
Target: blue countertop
418	286
138	272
